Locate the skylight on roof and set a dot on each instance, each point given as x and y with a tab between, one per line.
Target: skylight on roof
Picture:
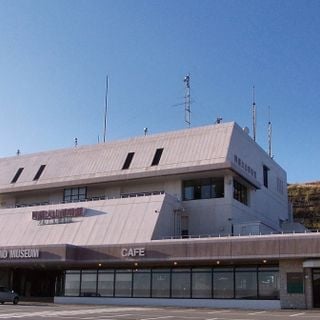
17	175
39	173
157	157
128	161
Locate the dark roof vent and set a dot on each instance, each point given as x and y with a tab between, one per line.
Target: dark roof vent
17	175
157	157
38	174
128	161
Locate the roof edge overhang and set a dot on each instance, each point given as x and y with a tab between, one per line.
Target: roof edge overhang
87	180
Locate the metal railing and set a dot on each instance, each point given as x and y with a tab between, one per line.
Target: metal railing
95	198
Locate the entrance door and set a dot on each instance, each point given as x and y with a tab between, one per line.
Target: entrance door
34	283
316	287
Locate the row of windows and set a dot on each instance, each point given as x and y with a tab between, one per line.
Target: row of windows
203	189
206	283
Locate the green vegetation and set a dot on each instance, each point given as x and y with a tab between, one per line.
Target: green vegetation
305	199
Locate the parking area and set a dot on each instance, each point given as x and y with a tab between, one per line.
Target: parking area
84	312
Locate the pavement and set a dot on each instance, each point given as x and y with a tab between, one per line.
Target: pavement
50	311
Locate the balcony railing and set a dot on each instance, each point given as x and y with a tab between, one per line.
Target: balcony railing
95	198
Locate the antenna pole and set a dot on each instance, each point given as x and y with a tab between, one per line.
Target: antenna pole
105	110
269	135
187	100
254	114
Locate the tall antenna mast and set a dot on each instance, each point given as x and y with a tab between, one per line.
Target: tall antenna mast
105	110
269	135
187	100
254	114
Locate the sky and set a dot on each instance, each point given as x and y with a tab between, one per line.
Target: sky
55	56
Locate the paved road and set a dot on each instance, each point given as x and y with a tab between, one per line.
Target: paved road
34	311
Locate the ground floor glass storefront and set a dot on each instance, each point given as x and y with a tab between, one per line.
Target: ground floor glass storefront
254	282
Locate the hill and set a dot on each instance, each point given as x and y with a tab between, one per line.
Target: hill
305	199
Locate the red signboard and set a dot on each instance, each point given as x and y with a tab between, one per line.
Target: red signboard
57	214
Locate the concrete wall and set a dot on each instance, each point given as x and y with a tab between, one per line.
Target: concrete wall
266	203
207	303
291	300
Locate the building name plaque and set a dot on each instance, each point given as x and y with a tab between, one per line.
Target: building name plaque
133	252
58	215
20	253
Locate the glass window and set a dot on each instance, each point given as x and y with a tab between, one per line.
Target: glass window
123	283
265	176
141	283
88	283
180	283
240	192
246	284
72	283
160	284
202	284
74	194
203	189
269	284
106	283
223	285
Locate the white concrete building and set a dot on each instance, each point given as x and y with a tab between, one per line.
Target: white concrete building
95	222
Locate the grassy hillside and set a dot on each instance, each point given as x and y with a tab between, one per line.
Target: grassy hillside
305	200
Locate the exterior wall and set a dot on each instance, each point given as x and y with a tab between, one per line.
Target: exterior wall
288	300
206	303
266	204
208	216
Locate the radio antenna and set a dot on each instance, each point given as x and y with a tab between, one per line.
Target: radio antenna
254	114
187	100
269	135
105	110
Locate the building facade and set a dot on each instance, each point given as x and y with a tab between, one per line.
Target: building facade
191	217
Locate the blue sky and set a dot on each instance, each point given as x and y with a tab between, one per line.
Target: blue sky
55	55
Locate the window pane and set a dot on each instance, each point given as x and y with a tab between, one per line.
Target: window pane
123	284
180	284
161	285
201	284
246	285
105	284
188	193
269	285
206	191
72	284
223	285
88	283
141	284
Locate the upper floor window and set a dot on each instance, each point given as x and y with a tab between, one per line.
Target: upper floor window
157	157
75	194
17	175
265	176
240	192
203	189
